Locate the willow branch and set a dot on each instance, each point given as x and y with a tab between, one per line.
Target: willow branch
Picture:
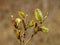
24	33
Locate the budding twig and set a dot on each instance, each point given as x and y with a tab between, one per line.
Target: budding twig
37	26
24	33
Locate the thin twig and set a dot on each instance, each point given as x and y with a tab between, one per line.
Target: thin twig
35	31
23	34
28	40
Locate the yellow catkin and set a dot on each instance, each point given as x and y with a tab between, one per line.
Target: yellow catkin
21	13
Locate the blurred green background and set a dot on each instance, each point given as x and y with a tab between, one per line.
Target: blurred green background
7	36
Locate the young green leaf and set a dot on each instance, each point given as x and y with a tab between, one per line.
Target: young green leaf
21	13
44	29
17	20
38	14
31	23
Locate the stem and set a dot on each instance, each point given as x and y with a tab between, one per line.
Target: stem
32	35
29	39
24	33
24	25
20	42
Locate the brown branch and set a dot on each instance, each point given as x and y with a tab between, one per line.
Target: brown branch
24	32
35	31
29	39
